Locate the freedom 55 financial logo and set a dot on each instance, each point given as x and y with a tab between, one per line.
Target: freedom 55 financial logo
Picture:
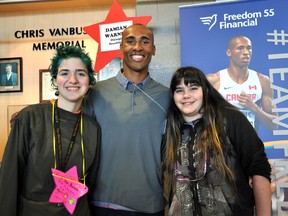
243	20
210	20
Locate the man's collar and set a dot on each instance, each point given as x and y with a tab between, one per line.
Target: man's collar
124	81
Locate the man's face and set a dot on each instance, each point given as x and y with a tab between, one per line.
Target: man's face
8	69
240	52
137	47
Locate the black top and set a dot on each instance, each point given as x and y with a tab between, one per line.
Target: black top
26	182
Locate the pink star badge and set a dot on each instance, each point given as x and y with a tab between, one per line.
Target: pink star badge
108	34
68	189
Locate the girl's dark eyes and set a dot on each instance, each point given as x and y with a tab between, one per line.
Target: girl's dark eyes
78	73
178	90
63	73
190	88
82	73
193	88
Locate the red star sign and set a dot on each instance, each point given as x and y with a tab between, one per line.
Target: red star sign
109	32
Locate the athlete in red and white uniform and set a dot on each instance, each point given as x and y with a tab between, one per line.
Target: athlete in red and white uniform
231	91
243	87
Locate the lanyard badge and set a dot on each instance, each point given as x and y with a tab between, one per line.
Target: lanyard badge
68	187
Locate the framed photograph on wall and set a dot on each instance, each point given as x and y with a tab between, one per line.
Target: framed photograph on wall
46	92
11	75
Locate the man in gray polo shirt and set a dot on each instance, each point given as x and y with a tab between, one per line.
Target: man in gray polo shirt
131	110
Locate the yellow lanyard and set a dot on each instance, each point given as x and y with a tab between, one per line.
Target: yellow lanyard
81	138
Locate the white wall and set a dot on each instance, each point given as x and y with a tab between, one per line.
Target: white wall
34	60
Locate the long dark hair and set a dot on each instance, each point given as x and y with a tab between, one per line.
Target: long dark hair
211	135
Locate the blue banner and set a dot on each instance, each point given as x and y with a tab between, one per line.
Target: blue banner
205	31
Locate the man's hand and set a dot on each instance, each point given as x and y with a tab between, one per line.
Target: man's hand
13	116
246	101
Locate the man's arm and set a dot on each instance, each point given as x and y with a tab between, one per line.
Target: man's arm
264	111
214	79
13	117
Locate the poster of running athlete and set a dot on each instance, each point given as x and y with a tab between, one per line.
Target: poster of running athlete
227	39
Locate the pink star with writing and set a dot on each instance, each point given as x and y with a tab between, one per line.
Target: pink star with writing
68	189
